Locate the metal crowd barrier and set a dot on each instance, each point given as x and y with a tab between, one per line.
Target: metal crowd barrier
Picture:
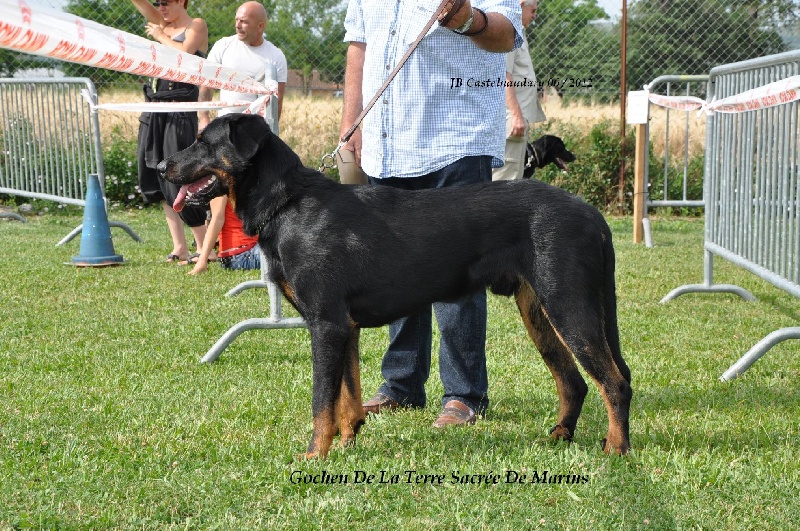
673	119
752	189
50	141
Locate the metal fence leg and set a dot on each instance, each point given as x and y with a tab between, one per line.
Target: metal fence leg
77	230
249	284
705	288
12	215
135	237
66	239
275	319
648	232
708	285
248	324
758	350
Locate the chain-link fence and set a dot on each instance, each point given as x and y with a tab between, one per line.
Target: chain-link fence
575	44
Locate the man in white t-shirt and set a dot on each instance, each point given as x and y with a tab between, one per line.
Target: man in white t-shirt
250	53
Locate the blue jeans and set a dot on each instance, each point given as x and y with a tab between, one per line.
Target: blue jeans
462	323
250	259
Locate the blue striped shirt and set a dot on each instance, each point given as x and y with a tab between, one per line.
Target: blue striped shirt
446	103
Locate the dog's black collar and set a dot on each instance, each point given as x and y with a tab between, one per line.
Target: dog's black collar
532	155
262	226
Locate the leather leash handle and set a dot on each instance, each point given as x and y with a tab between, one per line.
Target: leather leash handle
446	18
452	12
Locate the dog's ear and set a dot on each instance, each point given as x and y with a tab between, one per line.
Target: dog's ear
246	133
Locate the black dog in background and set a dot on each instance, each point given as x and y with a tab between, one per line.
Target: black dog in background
548	149
350	257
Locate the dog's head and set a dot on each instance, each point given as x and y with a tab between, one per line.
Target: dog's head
548	149
222	151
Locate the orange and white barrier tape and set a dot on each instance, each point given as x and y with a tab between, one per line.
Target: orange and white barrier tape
257	106
680	103
39	30
168	106
770	95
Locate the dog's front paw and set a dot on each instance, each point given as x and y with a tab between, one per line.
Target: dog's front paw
560	433
619	449
347	441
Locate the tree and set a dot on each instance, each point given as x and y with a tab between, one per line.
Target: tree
12	62
311	33
571	51
571	40
772	13
112	13
692	37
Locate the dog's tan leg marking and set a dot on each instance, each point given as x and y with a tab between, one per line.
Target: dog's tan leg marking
324	430
288	292
570	385
337	391
617	438
350	410
598	362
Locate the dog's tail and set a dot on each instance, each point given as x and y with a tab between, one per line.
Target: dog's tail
610	308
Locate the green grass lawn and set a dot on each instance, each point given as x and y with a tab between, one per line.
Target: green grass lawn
108	420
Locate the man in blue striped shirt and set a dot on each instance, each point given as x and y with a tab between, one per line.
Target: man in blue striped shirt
439	123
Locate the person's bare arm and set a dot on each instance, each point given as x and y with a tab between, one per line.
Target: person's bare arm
147	10
204	117
281	90
512	104
217	207
353	98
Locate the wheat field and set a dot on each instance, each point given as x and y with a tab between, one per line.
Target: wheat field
310	124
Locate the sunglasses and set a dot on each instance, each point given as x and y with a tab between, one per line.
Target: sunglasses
162	4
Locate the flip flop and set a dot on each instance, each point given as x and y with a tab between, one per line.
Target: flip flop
191	260
172	258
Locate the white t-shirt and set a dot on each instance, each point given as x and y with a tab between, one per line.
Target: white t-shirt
262	62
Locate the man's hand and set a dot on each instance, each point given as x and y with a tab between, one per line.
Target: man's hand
354	145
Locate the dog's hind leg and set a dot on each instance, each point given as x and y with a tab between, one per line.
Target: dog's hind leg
570	385
351	412
580	326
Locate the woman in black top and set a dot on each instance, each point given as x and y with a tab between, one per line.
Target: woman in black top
162	134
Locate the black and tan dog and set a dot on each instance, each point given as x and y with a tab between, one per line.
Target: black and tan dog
547	149
349	257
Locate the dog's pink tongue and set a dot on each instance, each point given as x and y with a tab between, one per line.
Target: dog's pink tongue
177	206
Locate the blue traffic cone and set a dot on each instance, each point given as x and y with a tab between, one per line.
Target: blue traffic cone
97	249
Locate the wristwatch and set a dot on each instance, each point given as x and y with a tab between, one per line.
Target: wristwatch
468	24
